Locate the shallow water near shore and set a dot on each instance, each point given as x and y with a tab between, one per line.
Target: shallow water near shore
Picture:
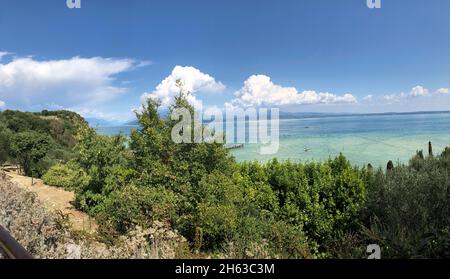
363	139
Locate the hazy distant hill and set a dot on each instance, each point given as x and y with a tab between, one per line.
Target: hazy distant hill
300	115
93	122
133	123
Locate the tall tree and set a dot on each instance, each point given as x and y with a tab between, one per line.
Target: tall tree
5	143
29	148
430	149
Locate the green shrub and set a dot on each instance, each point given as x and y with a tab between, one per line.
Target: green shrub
29	148
68	176
105	160
409	210
323	199
5	143
217	209
135	206
288	241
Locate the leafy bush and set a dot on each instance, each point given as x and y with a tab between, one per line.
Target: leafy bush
217	209
29	148
104	159
5	143
68	176
136	206
322	199
409	209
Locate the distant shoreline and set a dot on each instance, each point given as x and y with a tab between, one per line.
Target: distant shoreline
306	115
321	115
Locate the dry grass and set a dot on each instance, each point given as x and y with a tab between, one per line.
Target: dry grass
56	200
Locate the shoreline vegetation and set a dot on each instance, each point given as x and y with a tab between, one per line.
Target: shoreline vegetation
207	205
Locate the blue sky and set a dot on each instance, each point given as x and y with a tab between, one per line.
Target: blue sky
104	59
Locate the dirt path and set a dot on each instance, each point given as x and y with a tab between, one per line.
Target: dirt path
57	199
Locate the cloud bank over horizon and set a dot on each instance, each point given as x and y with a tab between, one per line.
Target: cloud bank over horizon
89	85
415	92
72	83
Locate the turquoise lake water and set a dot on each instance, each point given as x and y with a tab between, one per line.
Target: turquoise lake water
363	139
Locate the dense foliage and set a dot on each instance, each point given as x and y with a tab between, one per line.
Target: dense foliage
242	210
253	210
29	148
38	141
409	208
68	176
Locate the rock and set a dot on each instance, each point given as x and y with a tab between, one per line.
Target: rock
73	252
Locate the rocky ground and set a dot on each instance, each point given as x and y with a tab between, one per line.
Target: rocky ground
38	220
56	200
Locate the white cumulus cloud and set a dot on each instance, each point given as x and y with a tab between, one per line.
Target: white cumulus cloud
259	90
419	91
194	81
443	91
394	97
2	104
77	81
368	98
